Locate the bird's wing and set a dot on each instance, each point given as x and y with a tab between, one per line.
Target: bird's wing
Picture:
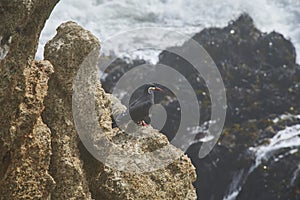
140	106
136	101
140	101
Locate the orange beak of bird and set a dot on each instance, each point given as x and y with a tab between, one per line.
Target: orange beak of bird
159	89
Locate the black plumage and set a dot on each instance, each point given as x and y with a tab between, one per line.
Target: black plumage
139	108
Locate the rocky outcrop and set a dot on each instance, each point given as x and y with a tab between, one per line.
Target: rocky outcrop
262	82
66	51
258	69
174	181
27	152
24	139
21	25
42	156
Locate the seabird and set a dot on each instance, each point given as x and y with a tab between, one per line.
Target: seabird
138	110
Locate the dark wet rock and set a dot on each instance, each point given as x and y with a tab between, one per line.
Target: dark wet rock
262	81
258	70
115	71
233	157
274	180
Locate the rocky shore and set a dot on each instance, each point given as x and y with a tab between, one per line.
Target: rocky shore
41	154
262	82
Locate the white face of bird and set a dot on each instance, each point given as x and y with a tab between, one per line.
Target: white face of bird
150	89
153	88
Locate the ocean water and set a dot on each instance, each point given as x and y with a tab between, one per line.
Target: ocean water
105	18
286	140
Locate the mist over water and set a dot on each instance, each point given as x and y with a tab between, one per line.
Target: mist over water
105	18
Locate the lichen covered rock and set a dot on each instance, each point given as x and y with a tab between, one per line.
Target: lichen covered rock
42	156
24	139
66	51
24	168
104	181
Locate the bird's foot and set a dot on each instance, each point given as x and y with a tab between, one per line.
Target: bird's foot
143	123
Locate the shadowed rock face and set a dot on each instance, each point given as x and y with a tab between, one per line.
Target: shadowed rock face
40	152
262	81
258	70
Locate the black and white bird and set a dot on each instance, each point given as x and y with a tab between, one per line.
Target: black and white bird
138	109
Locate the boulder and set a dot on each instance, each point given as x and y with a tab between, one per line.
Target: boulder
42	155
69	51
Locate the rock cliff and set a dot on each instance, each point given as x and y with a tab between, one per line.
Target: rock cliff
42	156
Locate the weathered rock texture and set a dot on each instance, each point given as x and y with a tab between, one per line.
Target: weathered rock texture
66	51
24	168
24	139
40	151
174	181
21	24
